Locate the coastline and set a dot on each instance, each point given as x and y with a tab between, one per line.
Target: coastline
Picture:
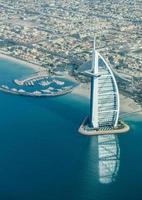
35	67
127	105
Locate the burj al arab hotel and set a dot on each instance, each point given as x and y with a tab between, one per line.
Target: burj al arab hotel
104	100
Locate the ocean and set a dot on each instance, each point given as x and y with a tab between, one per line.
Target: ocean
43	157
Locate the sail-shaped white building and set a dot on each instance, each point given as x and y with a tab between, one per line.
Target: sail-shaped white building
104	99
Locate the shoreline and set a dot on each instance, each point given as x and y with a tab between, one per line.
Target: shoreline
35	67
127	105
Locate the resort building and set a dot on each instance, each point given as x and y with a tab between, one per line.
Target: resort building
104	99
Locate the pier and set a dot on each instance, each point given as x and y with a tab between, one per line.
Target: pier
30	79
37	93
39	84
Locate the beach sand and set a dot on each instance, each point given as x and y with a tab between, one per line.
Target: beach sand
127	105
36	67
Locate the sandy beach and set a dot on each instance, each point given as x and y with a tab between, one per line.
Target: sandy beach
22	62
127	105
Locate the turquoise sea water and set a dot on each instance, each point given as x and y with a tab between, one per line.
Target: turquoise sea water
43	157
12	72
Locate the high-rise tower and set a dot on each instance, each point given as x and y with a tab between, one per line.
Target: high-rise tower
104	98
